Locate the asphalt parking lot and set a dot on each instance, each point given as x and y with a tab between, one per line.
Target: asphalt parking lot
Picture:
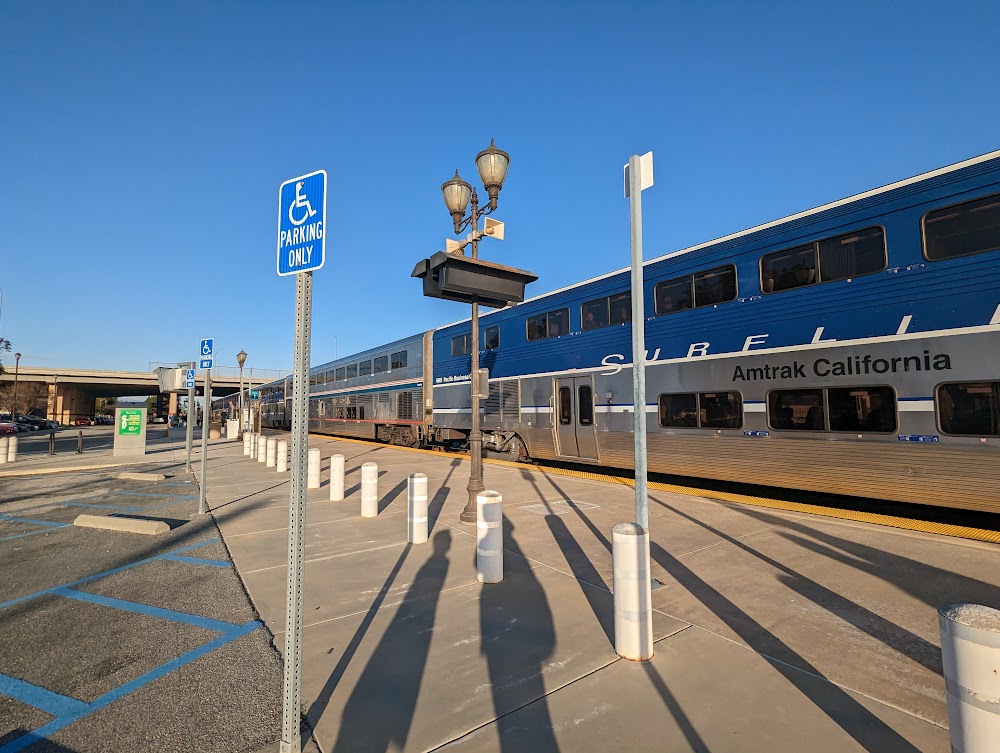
118	641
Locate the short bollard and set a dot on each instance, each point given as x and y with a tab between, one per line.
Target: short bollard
12	450
336	478
282	456
246	444
271	451
313	469
261	448
254	441
4	445
489	537
970	657
79	442
633	596
52	443
416	508
369	490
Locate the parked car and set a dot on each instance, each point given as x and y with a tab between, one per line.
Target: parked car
82	422
105	420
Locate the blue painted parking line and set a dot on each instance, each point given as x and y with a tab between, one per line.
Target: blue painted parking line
35	595
197	560
32	533
153	494
32	521
85	709
49	702
150	611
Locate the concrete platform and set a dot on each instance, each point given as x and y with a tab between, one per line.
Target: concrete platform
772	627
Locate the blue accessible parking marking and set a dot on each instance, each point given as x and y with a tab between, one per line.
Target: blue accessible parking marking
68	710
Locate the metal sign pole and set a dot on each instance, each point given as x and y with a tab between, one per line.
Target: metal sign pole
290	739
206	422
189	433
635	186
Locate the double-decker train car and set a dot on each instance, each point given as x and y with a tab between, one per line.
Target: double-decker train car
853	349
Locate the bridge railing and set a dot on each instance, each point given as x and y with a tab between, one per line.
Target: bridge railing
250	374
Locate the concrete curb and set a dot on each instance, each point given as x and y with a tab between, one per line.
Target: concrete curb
129	476
129	525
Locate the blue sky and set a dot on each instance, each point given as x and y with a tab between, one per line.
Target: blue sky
143	147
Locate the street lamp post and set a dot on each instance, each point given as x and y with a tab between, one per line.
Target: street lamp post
492	164
17	368
241	358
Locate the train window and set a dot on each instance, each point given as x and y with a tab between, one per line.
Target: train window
586	405
679	410
552	324
565	405
312	380
715	286
491	338
361	413
329	376
796	410
972	408
381	364
594	314
621	308
461	345
852	255
791	268
399	360
364	368
340	374
558	322
969	228
720	410
673	295
862	409
352	371
352	413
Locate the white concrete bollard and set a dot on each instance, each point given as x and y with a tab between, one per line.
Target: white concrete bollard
282	456
313	469
4	448
369	490
261	448
254	441
247	438
416	508
970	655
271	452
12	449
336	478
489	537
633	595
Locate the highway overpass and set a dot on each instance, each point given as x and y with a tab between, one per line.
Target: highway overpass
73	392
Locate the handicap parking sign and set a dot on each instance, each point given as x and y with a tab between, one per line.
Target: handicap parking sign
302	224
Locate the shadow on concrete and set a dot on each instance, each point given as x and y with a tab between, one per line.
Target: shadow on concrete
436	503
517	638
591	584
870	732
687	729
318	706
380	710
889	633
391	495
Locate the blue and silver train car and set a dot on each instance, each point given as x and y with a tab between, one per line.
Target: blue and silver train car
853	348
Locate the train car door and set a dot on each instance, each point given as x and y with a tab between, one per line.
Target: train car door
576	435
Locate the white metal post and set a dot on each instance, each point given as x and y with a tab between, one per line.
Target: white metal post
291	741
635	186
189	433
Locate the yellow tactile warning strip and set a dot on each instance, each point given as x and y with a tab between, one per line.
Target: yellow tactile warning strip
893	521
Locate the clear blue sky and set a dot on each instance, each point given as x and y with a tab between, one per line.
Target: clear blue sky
143	145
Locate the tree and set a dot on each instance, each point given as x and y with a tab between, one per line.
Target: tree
4	348
29	396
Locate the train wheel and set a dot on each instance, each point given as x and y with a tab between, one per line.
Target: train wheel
515	449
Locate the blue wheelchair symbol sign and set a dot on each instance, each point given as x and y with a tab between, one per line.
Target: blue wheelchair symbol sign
190	375
206	347
302	223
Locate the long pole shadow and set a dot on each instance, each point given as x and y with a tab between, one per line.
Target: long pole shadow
323	697
870	732
379	712
889	633
517	637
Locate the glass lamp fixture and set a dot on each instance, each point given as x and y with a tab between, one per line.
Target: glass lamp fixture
492	164
457	194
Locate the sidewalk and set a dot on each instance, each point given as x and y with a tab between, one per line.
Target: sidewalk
772	628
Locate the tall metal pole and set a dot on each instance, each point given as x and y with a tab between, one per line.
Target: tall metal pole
291	741
241	402
638	344
206	422
476	485
192	412
17	369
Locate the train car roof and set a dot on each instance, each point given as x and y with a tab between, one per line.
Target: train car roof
758	228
